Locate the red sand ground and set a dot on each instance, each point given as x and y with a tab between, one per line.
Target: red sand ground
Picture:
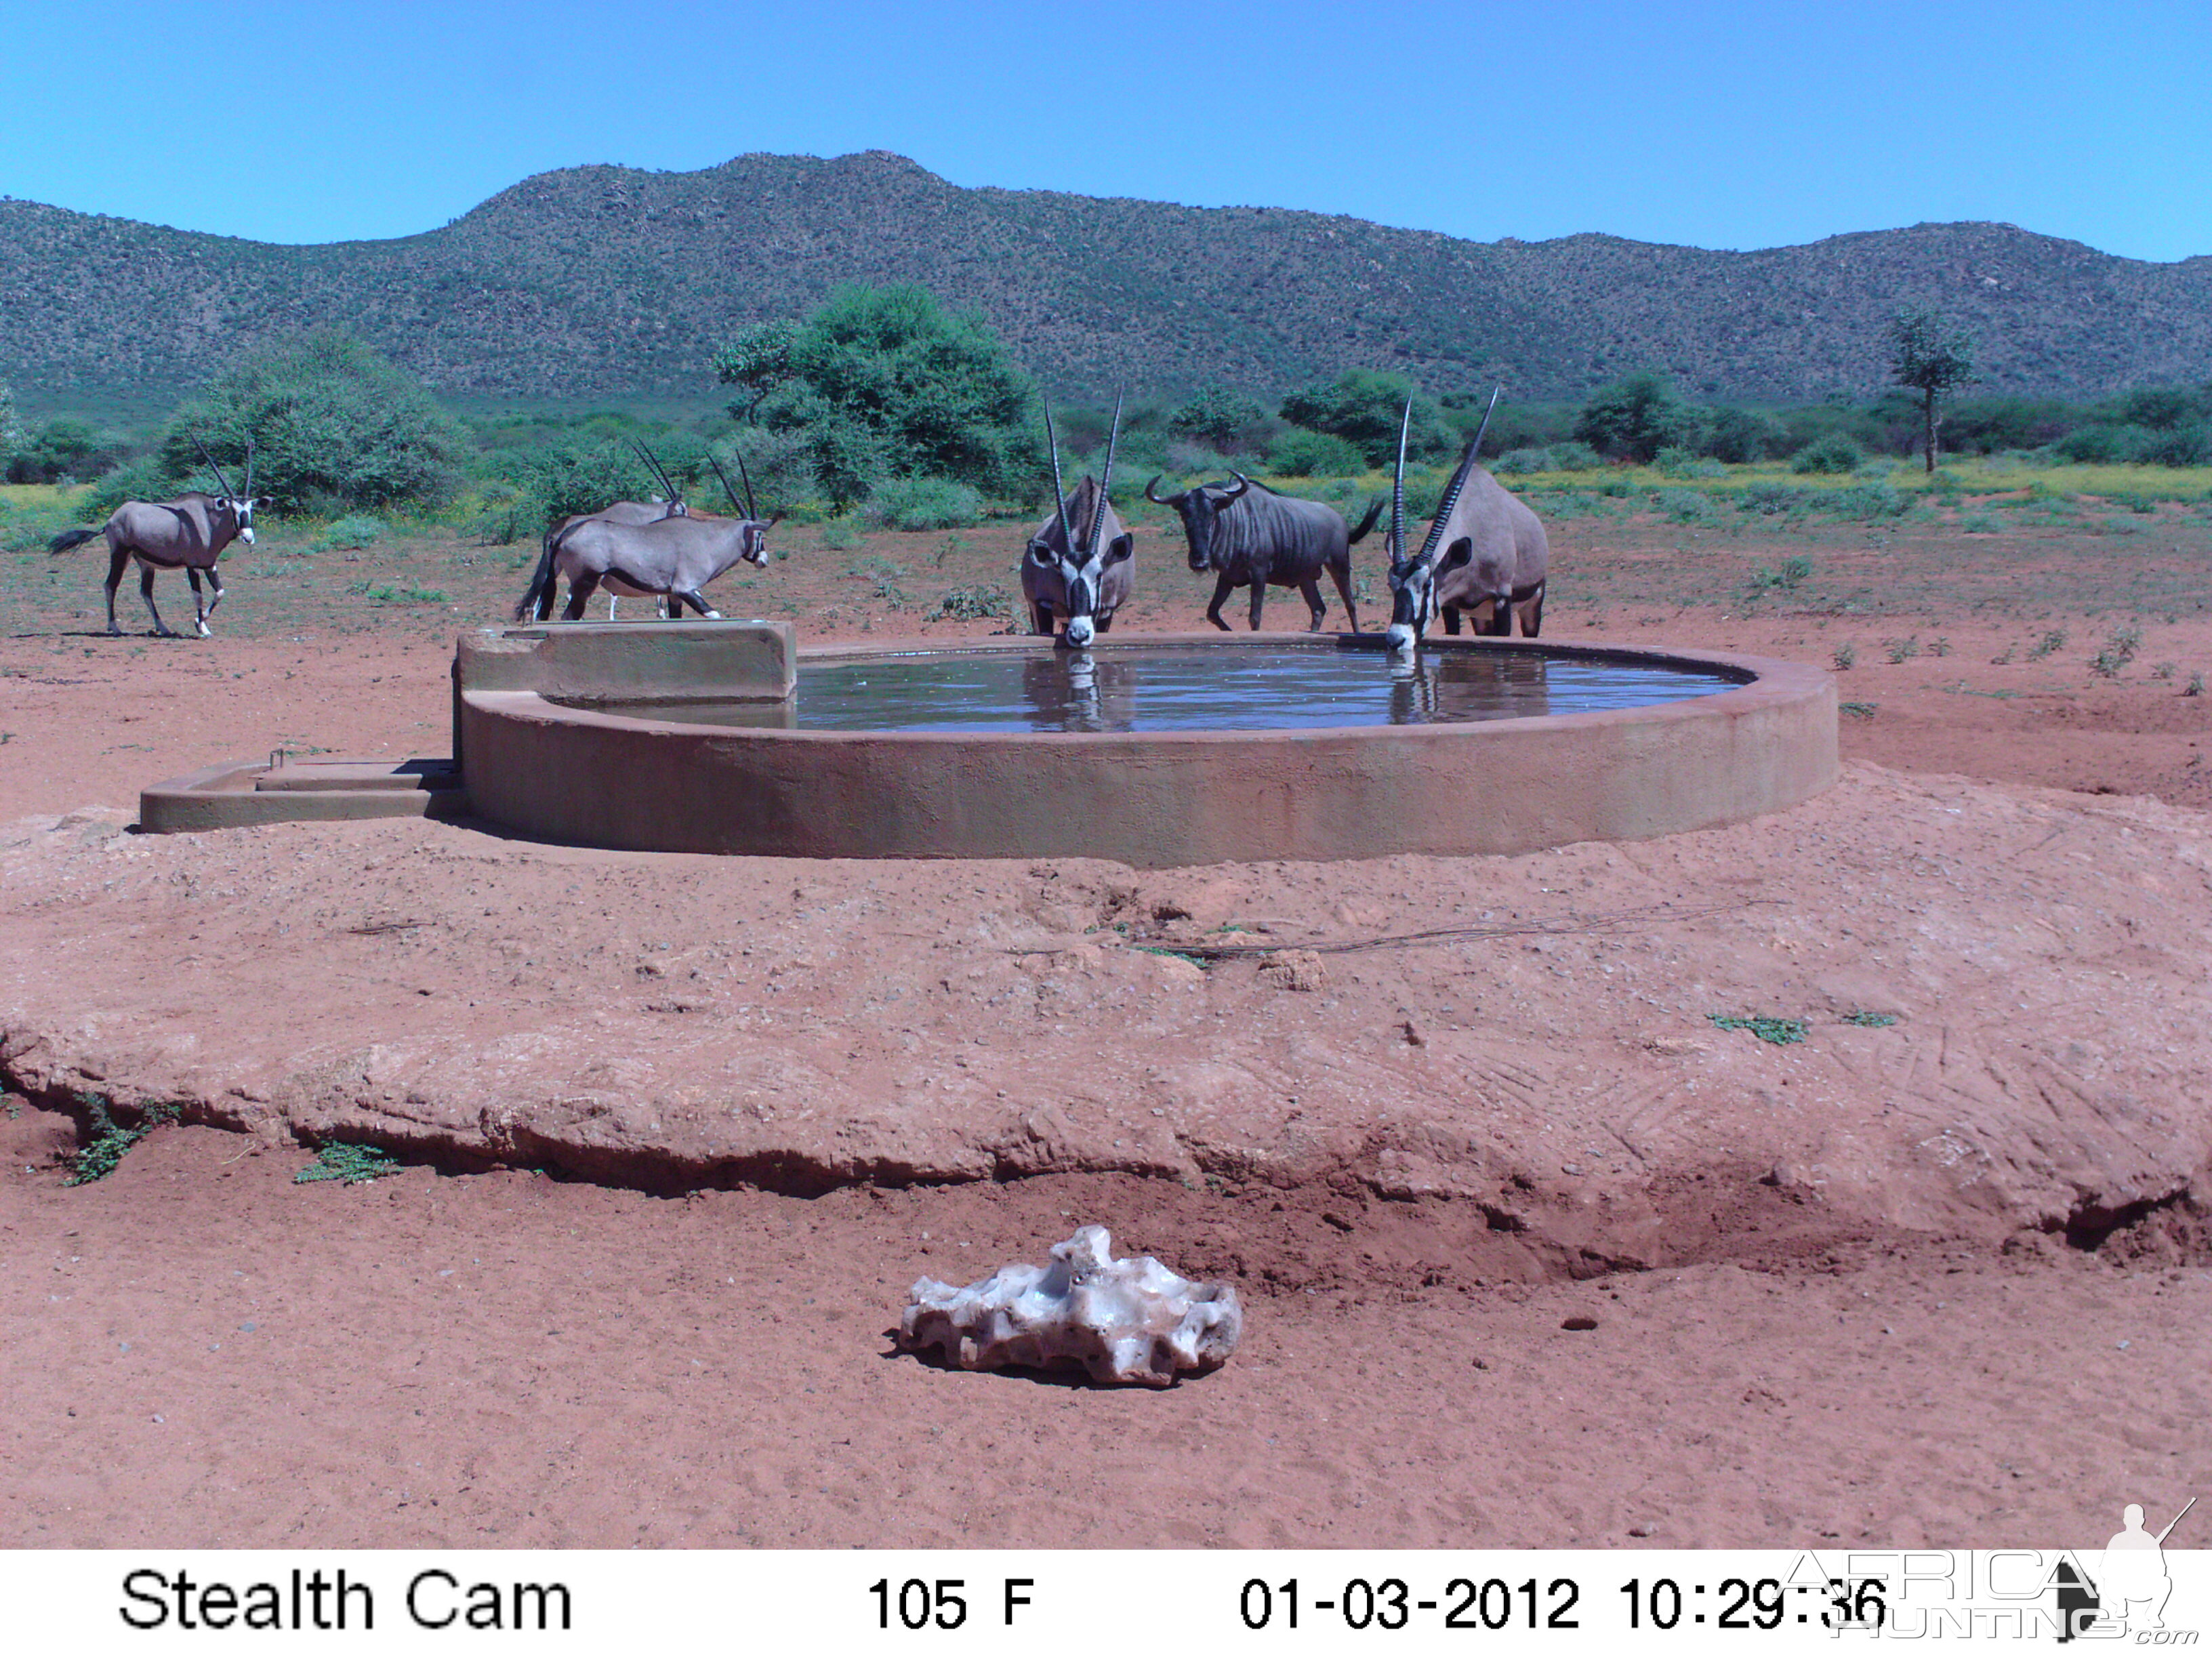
199	1352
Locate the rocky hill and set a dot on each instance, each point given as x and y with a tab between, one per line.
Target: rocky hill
606	282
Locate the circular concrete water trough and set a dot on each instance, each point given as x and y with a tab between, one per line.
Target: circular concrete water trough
688	760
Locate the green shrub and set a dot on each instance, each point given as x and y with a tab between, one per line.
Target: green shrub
356	529
1635	418
1216	416
2117	653
924	504
1833	453
1743	435
885	383
1865	500
1684	505
1299	453
352	1165
1676	461
973	604
1771	496
1363	406
334	425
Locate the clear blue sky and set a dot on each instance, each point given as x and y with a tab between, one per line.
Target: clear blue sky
1719	124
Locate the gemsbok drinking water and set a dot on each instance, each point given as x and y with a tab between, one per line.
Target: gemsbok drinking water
1077	564
187	534
1486	554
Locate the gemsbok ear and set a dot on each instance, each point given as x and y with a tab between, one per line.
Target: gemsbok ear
1118	549
1457	554
1040	554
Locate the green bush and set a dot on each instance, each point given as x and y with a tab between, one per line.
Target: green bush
885	383
924	504
578	475
973	604
1771	496
1635	418
1363	406
1684	505
63	450
1833	453
11	423
356	530
1216	416
781	464
1299	453
1676	461
334	425
1863	500
1743	435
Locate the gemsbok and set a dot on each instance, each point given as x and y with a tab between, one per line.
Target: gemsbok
1076	565
187	534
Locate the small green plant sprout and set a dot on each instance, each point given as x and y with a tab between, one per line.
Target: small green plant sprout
2164	670
2117	653
2053	641
1857	711
2196	686
1767	1028
973	604
98	1158
2003	658
340	1161
1941	647
1905	649
1846	654
1867	1017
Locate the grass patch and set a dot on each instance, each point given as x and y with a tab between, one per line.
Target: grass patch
1857	711
98	1158
340	1161
413	593
2117	653
1844	656
973	604
1904	650
1864	1017
1767	1028
2053	641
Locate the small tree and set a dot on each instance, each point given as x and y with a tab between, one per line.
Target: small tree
1636	417
1928	355
885	383
334	424
1362	407
1216	416
758	359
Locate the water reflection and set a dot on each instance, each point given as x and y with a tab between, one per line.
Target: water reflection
1135	688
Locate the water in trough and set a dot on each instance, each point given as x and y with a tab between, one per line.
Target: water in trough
1192	688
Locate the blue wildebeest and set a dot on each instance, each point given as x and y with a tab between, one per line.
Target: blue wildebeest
187	534
1076	565
1486	554
671	505
1259	540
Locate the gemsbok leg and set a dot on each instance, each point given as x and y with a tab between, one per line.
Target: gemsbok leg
691	597
162	629
118	560
581	586
200	606
1451	619
1041	619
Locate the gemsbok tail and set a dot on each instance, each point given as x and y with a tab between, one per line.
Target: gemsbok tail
69	538
1366	524
540	580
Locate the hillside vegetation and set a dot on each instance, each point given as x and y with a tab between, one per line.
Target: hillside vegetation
608	283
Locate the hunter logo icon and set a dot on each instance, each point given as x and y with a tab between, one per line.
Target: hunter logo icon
2130	1588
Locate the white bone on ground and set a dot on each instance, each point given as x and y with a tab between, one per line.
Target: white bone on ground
1130	1321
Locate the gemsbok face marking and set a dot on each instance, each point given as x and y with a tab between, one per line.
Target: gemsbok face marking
187	534
1486	554
1077	564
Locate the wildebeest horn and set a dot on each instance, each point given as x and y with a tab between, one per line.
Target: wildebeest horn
1398	491
1106	482
737	504
1155	500
1458	481
1058	493
213	468
1243	483
752	503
